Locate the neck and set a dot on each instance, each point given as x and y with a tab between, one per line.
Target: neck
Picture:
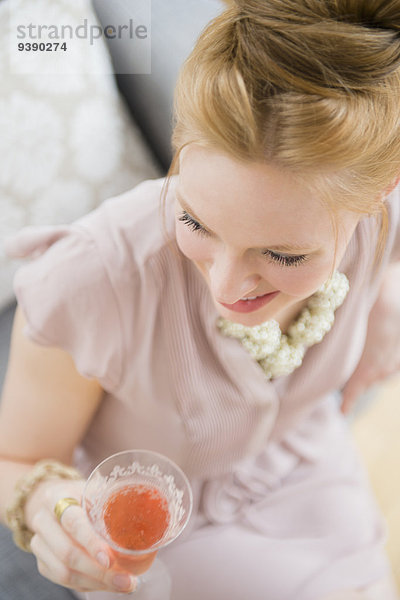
286	316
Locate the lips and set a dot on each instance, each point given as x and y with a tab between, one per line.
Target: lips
250	304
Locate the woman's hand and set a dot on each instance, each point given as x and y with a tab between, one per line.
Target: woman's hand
70	553
381	356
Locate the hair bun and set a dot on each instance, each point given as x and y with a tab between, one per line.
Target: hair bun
373	14
335	45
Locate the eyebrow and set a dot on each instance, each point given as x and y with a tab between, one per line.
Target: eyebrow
283	247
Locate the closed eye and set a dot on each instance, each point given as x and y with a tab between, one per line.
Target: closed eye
284	260
192	223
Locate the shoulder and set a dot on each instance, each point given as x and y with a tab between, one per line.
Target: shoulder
93	272
135	226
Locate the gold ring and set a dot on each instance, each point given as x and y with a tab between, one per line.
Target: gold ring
62	505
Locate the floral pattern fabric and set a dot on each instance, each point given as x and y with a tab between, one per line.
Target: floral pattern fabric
67	140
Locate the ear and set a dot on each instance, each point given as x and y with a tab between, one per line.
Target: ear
390	187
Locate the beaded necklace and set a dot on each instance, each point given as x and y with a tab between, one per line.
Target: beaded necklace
280	354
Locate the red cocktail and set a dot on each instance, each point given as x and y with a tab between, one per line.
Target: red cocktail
139	501
136	517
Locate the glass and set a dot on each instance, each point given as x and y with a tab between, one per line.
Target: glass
143	496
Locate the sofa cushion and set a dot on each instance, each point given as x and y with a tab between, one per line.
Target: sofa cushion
67	140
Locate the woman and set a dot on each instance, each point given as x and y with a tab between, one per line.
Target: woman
143	330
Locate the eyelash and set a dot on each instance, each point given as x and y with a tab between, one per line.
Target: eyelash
286	261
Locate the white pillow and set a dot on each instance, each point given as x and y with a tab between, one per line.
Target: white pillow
67	141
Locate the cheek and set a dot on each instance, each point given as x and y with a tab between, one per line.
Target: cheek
301	281
192	245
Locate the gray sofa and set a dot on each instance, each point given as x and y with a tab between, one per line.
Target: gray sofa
174	28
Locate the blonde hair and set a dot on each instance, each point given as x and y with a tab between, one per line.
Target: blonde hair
311	86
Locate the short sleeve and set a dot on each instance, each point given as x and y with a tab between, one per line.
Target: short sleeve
68	301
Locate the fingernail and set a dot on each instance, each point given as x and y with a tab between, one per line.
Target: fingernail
124	582
103	559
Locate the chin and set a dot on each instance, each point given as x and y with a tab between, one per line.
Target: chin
247	319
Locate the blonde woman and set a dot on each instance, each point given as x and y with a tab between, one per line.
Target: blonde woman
220	331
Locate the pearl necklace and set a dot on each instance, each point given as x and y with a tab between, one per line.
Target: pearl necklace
279	354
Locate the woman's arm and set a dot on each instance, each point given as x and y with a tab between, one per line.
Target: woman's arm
381	355
45	410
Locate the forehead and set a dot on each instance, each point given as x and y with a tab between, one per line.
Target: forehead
251	201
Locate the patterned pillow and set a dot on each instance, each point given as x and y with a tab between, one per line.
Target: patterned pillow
67	141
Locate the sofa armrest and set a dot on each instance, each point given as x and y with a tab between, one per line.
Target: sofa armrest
175	26
6	321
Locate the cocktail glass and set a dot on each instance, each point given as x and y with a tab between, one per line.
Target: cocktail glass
156	476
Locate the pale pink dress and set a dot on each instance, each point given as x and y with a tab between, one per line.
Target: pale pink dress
283	510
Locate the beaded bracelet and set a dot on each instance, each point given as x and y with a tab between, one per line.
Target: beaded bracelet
15	512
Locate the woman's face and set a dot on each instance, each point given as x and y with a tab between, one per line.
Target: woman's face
253	231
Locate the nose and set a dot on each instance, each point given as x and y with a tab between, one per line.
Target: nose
231	277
